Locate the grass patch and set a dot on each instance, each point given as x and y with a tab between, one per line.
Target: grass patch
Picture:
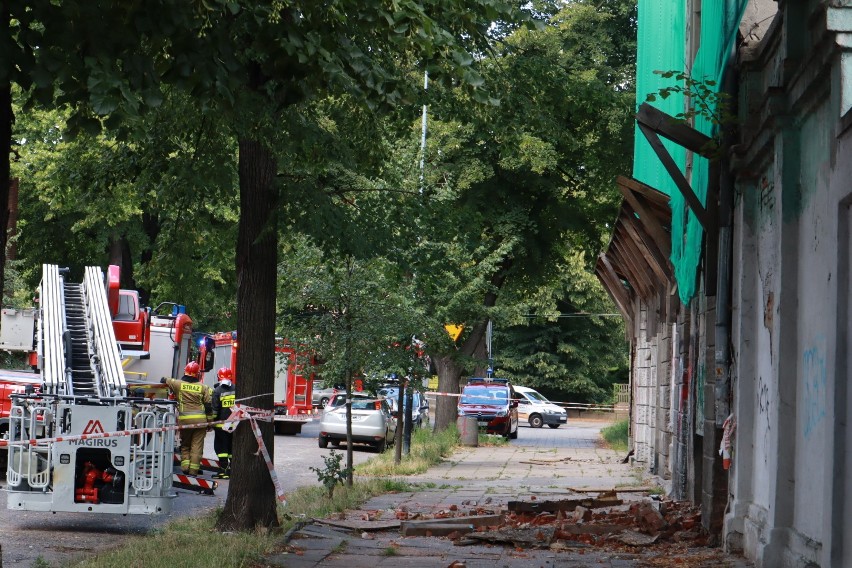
427	448
615	435
192	542
494	440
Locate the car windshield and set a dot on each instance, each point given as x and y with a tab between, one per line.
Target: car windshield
484	395
340	400
359	404
533	395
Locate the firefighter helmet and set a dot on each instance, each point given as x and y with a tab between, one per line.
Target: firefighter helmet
225	374
192	369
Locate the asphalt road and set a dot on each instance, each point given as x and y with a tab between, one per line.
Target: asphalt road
26	537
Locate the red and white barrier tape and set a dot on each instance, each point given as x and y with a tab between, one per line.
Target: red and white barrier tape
242	413
565	405
100	435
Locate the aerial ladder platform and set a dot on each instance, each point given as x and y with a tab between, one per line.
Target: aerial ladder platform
83	444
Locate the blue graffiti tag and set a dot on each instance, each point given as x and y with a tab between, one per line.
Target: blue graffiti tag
814	377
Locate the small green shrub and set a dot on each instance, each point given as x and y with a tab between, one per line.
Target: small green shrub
333	474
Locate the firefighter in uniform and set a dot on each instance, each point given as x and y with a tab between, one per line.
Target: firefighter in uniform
223	401
194	407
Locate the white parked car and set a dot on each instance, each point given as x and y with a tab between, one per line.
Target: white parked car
372	423
419	408
537	410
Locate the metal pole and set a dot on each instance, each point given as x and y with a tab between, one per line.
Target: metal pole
488	333
406	438
423	132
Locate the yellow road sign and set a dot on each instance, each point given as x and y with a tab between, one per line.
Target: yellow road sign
454	330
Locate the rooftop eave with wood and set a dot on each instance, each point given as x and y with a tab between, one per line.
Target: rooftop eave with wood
636	266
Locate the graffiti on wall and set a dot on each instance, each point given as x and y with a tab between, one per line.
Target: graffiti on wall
767	193
762	396
763	402
814	379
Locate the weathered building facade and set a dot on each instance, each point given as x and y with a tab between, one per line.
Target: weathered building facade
789	504
757	331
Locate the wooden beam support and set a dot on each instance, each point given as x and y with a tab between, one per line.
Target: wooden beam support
648	249
677	176
637	251
638	279
635	225
607	285
676	130
616	288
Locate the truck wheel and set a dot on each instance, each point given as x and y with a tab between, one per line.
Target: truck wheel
554	426
323	402
536	421
323	442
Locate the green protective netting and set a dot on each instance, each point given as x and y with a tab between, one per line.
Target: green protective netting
661	46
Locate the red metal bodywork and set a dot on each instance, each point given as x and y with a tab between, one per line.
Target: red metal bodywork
295	396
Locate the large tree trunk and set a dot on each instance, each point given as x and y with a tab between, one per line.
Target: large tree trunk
119	255
449	380
251	499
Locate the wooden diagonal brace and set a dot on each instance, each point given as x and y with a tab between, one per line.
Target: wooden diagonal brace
676	175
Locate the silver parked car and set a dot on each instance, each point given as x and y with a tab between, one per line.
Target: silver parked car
321	395
372	423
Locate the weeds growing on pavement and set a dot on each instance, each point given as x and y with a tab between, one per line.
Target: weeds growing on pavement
616	435
427	448
492	440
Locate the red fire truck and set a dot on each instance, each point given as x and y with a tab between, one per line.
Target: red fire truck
61	452
292	391
154	343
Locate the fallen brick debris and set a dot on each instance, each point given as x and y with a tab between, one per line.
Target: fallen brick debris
652	526
604	521
606	499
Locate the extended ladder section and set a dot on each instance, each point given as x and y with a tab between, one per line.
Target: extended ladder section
78	348
81	444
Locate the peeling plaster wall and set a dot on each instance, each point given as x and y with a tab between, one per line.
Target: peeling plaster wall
789	503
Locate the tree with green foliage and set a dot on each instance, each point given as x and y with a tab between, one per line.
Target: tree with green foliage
73	54
514	186
161	206
254	60
568	341
357	317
